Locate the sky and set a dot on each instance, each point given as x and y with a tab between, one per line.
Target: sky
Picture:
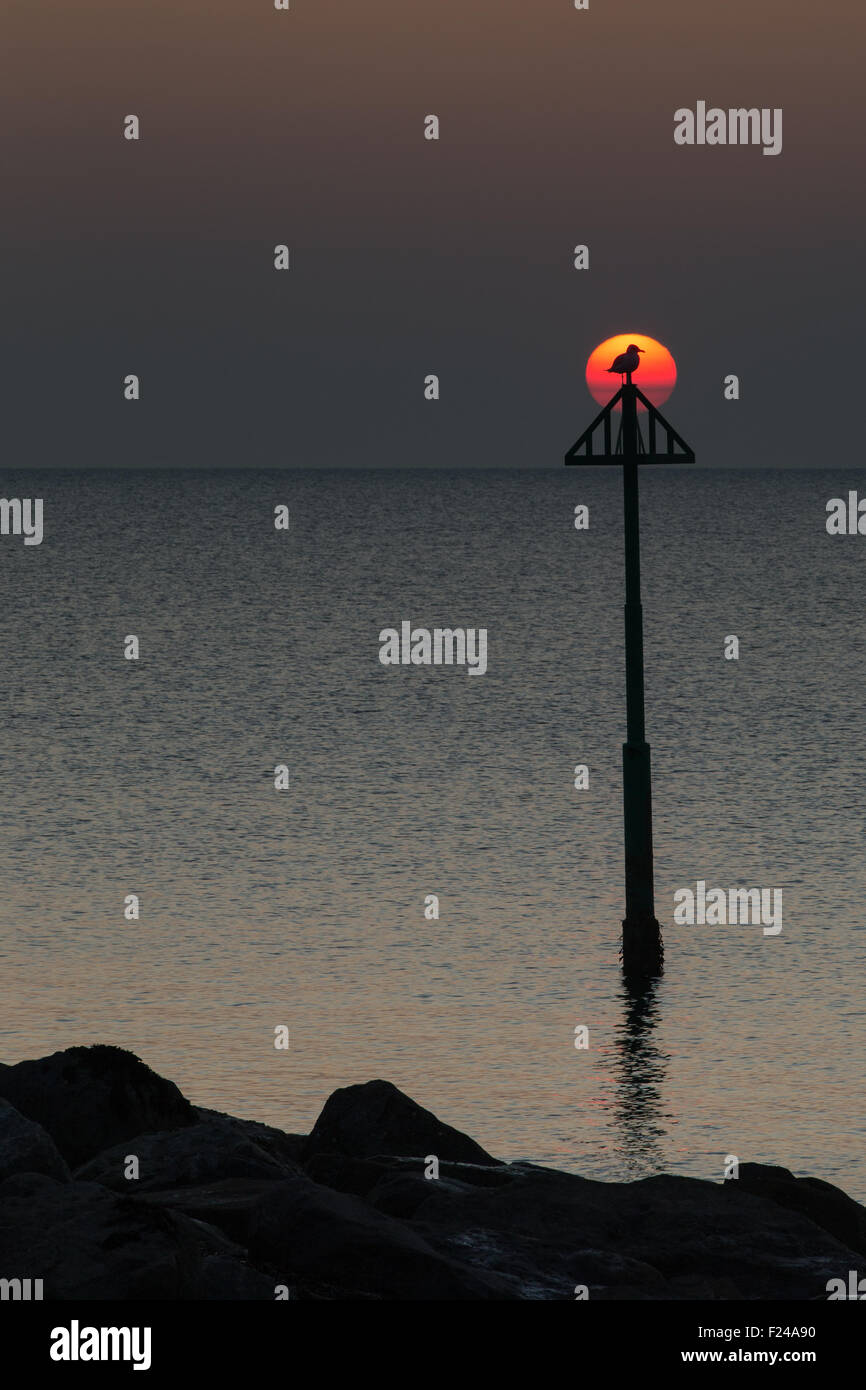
408	256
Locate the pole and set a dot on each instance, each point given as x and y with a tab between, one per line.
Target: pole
642	951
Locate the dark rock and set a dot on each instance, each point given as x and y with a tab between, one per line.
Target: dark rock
623	1293
201	1153
399	1194
222	1208
828	1206
701	1286
308	1232
89	1098
26	1148
218	1277
478	1175
85	1242
392	1176
685	1229
285	1148
228	1205
403	1185
595	1268
354	1175
376	1118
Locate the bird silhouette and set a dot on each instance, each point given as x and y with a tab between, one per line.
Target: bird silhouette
627	361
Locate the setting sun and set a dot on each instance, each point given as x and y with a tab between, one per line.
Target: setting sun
656	375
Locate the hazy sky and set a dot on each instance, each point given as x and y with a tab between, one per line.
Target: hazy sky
411	256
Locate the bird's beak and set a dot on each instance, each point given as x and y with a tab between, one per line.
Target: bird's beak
641	349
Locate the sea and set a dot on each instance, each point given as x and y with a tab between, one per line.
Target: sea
311	908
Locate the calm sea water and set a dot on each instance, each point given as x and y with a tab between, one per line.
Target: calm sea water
306	908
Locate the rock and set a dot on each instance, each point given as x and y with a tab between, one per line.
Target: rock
373	1177
685	1229
89	1098
223	1210
828	1206
601	1268
375	1118
701	1286
218	1277
399	1194
403	1185
228	1205
85	1242
624	1293
201	1153
354	1175
26	1148
310	1233
285	1148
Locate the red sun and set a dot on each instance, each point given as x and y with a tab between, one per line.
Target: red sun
656	376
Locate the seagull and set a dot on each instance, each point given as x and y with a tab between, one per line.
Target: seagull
627	361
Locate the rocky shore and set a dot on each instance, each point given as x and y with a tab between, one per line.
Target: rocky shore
223	1208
